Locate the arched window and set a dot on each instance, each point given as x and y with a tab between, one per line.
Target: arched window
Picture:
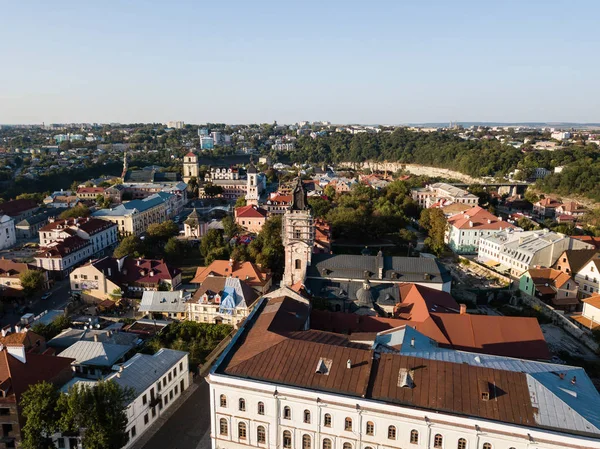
462	444
438	441
306	442
261	408
223	427
326	443
242	405
327	420
242	431
307	416
287	439
370	428
391	433
261	435
223	400
347	446
487	445
298	264
287	412
414	436
348	424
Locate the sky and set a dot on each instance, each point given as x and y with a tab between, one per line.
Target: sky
344	61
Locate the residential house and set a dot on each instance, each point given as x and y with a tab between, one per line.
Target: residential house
443	194
322	243
590	316
134	217
10	273
94	359
252	274
221	300
515	252
110	278
277	203
588	277
61	200
573	260
164	304
251	218
19	369
90	193
8	234
546	207
553	287
19	209
569	211
194	227
466	229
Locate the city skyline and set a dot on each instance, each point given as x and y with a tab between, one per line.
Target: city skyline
382	62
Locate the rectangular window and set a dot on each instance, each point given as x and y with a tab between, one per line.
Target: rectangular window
146	419
133	432
61	443
144	400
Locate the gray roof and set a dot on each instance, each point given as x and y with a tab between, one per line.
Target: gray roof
71	336
133	206
395	269
163	302
142	370
95	353
384	293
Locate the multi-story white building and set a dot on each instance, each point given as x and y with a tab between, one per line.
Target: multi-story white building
515	251
8	234
282	385
441	194
61	256
466	229
588	277
157	381
101	234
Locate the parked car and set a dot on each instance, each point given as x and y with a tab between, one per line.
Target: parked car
46	295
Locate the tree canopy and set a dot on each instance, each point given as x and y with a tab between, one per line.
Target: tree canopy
32	281
75	212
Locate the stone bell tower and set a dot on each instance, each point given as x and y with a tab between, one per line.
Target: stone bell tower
298	237
252	185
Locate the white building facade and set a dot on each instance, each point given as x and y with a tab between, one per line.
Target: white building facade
8	235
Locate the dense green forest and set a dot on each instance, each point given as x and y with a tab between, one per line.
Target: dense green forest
581	174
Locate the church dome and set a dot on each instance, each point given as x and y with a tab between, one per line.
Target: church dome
364	296
251	169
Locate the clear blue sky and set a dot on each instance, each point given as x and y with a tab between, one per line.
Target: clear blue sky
258	61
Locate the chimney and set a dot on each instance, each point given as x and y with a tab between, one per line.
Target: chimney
96	338
18	352
412	342
349	364
109	271
574	380
17	328
138	262
470	224
463	309
6	330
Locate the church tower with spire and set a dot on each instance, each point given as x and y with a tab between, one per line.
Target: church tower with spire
298	237
252	185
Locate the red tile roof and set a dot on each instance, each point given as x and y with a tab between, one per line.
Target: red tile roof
12	268
63	248
17	207
281	199
99	190
147	271
246	271
250	212
418	302
478	218
90	225
593	300
16	376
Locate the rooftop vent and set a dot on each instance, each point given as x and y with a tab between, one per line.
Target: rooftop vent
324	366
405	378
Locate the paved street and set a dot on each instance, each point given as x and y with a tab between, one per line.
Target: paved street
58	300
189	426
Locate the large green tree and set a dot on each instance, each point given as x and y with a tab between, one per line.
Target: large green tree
98	414
129	246
434	222
76	212
32	281
162	231
39	408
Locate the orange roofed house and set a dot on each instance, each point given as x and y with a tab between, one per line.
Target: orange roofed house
465	229
21	367
252	274
251	218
